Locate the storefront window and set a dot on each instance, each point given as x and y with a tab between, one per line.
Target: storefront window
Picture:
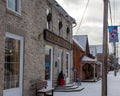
47	63
12	62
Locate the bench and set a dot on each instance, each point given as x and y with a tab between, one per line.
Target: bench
41	88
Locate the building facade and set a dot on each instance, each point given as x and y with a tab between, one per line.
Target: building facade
78	54
36	39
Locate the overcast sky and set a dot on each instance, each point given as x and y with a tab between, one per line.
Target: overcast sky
92	24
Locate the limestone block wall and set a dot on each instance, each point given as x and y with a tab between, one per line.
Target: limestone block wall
2	40
30	25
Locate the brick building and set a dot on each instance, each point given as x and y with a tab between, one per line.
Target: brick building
36	38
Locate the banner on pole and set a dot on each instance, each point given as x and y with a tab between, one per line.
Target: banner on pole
113	34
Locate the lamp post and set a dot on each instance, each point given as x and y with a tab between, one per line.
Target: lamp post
105	47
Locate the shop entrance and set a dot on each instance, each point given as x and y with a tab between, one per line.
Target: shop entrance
48	64
13	72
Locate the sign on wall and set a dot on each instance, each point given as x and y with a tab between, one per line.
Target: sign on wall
55	39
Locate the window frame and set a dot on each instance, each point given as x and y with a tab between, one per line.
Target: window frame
60	30
67	33
17	9
49	23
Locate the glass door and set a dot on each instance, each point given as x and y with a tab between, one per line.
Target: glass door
60	61
13	67
48	64
67	68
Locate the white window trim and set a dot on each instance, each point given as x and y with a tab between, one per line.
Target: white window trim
19	8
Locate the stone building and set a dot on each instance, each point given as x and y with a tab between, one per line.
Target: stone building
36	38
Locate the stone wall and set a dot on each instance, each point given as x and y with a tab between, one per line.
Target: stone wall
30	25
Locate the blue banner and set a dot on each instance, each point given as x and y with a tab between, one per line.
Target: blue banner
113	34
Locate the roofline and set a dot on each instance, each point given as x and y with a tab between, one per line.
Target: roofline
79	45
62	11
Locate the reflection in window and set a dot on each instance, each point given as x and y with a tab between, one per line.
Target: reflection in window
67	65
47	63
12	62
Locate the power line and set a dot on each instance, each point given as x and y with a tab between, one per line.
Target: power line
114	10
110	11
82	16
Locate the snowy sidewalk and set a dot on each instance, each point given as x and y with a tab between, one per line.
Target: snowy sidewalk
94	88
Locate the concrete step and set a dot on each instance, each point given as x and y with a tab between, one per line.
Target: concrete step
74	88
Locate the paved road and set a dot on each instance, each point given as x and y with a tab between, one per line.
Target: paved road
94	89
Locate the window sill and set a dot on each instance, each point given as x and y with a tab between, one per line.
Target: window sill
13	13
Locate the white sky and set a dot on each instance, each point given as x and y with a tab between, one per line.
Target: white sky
92	24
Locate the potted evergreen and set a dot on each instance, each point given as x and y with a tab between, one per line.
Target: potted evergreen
61	78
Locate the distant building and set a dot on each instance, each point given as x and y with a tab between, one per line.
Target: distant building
90	66
78	54
99	53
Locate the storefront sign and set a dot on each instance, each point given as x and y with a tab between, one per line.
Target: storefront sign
53	38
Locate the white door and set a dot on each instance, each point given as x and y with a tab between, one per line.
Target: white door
48	64
13	72
67	68
60	53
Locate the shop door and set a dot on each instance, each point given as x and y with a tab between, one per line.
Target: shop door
48	64
13	72
67	68
60	61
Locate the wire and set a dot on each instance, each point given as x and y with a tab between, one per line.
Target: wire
82	16
114	9
110	12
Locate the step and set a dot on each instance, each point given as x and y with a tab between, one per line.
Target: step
79	88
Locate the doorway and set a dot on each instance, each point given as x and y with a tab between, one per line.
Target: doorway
48	64
67	67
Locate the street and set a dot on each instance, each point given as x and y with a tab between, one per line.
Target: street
94	88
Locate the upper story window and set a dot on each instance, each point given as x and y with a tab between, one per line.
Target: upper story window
14	5
60	25
49	18
67	33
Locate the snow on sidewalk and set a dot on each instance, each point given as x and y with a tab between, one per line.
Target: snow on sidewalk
94	88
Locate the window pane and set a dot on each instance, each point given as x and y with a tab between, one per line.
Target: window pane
11	4
14	5
12	63
47	63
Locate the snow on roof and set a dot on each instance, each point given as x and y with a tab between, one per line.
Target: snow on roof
82	40
62	11
78	44
86	58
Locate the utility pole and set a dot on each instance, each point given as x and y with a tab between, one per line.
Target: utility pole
105	47
115	65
